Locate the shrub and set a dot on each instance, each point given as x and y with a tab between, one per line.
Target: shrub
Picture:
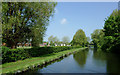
12	55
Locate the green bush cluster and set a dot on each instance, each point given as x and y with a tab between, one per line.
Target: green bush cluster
12	55
38	51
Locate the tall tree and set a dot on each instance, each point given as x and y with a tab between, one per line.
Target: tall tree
98	38
79	38
22	21
0	23
112	32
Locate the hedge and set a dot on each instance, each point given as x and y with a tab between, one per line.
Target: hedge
12	55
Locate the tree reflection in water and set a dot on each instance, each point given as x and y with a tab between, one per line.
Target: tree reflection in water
112	61
80	57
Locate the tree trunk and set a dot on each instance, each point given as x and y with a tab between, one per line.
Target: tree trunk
12	44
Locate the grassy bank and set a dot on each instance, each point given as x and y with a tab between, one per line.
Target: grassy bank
24	65
13	55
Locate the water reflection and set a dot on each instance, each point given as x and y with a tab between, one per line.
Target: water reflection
99	58
81	57
113	63
99	55
85	61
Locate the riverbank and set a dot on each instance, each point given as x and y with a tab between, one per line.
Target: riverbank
27	64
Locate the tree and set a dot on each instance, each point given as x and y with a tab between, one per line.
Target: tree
0	24
50	39
79	38
53	40
65	39
22	21
46	11
56	40
88	39
112	32
98	38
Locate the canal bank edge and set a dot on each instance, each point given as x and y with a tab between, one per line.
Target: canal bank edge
42	63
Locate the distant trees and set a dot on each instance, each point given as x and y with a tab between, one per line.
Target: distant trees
88	39
22	21
98	38
79	39
50	40
112	32
65	40
54	40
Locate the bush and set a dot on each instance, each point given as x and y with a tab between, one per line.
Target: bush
12	55
5	51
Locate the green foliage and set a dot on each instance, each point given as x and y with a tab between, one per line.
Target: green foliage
79	39
53	40
12	55
88	39
112	32
22	21
97	38
24	64
65	39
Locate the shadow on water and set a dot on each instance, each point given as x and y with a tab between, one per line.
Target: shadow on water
81	57
112	61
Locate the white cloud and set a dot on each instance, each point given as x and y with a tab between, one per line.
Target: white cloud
63	21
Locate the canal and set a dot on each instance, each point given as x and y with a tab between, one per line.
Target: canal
85	61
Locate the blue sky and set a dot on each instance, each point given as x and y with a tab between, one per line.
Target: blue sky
71	16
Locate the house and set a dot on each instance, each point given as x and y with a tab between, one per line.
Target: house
44	44
23	44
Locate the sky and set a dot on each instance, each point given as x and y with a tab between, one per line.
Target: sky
71	16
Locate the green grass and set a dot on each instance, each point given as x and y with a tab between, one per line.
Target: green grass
25	47
23	64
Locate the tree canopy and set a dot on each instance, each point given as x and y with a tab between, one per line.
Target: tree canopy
53	40
79	39
112	32
88	39
22	21
98	38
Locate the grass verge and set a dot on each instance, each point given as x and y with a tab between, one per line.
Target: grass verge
24	65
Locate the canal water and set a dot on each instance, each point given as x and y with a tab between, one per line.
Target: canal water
85	61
